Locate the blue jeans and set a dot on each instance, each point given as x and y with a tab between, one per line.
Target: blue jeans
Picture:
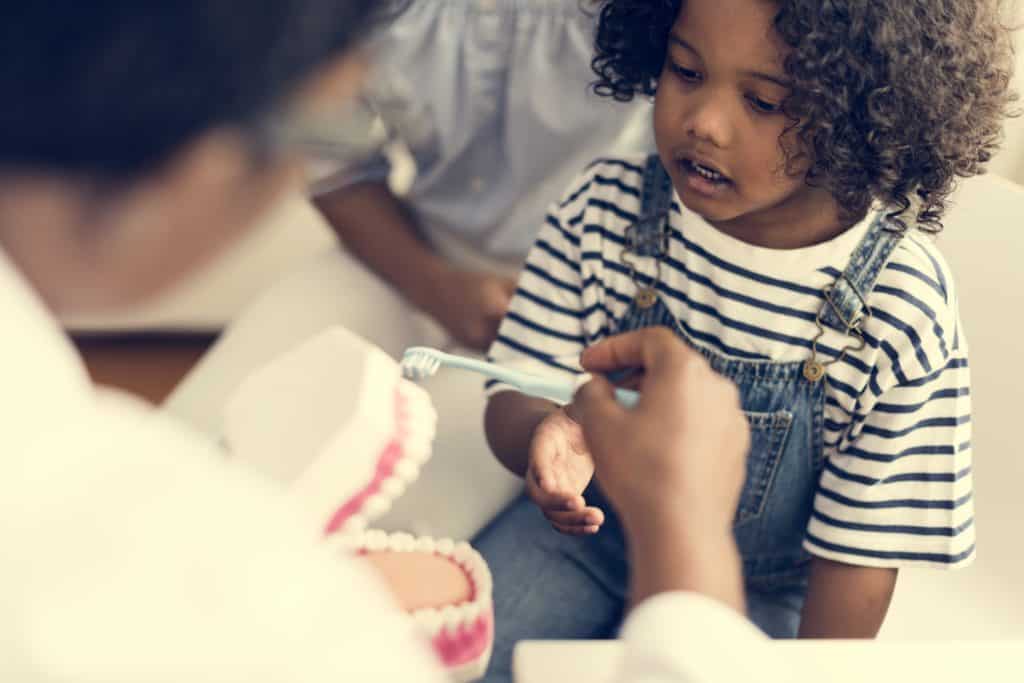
549	586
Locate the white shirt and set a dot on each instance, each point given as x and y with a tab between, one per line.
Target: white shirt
132	552
493	100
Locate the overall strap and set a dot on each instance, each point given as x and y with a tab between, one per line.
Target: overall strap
846	299
648	235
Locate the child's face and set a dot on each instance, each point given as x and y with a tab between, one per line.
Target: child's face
717	121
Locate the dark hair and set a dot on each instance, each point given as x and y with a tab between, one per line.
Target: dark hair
113	87
893	100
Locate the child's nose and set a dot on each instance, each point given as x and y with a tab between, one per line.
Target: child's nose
709	118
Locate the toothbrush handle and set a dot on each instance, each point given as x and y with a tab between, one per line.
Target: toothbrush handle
555	390
627	398
563	392
490	370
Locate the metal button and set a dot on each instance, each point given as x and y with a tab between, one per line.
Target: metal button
813	371
645	298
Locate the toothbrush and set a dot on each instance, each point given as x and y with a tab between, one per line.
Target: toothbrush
420	362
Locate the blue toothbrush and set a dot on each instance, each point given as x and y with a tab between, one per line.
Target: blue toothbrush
419	362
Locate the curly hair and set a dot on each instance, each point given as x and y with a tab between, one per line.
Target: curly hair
892	100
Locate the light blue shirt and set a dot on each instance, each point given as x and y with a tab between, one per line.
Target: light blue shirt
498	113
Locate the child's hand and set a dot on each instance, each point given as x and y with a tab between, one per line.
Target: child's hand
559	470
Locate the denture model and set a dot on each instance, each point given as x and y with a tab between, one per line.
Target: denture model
334	421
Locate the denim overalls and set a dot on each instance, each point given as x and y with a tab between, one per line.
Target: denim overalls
784	402
552	586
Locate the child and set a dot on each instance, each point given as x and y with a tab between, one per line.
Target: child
803	150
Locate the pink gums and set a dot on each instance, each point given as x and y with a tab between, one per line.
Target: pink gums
465	644
389	458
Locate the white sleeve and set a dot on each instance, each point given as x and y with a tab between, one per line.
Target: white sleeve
132	552
689	638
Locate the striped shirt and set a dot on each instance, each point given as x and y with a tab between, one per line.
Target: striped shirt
896	490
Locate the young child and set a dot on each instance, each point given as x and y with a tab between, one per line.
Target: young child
805	150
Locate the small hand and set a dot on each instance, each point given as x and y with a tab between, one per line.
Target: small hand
470	305
559	471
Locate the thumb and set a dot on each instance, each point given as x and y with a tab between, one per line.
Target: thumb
597	410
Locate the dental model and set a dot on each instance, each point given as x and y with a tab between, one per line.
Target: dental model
347	450
461	631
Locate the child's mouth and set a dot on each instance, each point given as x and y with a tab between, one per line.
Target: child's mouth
702	179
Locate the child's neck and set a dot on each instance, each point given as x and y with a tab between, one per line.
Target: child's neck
789	225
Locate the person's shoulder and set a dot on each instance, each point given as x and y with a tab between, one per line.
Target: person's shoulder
918	268
607	182
615	166
914	305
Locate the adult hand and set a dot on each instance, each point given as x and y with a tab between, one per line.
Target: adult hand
673	466
682	449
470	305
559	470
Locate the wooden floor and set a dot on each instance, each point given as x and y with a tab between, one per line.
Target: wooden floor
149	365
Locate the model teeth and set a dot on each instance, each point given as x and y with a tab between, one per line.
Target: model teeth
471	612
393	487
376	506
449	620
403	543
425	544
462	552
354	523
450	614
407	470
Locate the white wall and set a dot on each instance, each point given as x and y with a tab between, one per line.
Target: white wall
1010	162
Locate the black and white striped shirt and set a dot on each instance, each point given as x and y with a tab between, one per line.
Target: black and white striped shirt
897	487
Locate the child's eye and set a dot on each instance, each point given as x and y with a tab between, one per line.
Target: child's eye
687	75
762	106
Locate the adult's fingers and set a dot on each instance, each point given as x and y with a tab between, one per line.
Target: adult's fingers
646	348
590	516
576	531
598	411
667	363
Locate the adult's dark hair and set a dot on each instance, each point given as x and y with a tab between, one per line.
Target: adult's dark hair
892	99
113	87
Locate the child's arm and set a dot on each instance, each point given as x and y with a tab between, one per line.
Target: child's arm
846	601
510	421
382	233
542	443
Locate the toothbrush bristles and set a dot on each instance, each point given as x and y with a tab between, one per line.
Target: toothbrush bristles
417	365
